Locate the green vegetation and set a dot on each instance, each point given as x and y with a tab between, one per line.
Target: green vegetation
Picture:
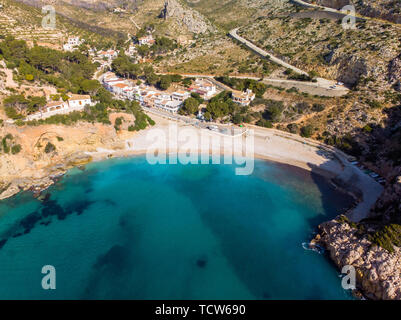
388	237
273	110
374	104
258	88
16	149
292	75
17	105
118	122
307	131
8	145
50	147
190	107
66	70
346	143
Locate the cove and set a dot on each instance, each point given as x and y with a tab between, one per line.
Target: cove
125	229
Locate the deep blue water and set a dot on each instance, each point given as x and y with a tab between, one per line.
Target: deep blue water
124	229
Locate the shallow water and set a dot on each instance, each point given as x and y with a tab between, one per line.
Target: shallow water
124	229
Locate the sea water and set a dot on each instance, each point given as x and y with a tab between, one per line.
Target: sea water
125	229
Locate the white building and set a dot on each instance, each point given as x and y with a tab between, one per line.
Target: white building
119	88
147	40
243	98
110	80
180	95
131	51
108	54
204	87
72	43
75	102
168	105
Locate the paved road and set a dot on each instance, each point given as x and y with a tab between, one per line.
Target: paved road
321	87
356	15
234	34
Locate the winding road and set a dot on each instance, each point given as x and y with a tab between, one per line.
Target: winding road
344	13
323	87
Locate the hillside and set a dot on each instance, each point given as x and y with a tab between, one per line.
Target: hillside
383	9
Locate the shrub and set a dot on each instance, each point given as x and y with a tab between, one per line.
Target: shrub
387	237
307	131
317	107
50	147
265	123
16	149
374	104
367	128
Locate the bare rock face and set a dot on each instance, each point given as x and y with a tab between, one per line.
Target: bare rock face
389	206
336	4
192	19
383	9
378	272
348	68
394	72
34	167
351	70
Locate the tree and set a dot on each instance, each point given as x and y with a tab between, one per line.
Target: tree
191	106
307	131
165	82
50	147
143	50
274	110
35	103
90	86
17	102
152	78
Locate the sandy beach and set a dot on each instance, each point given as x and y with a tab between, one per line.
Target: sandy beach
268	144
33	169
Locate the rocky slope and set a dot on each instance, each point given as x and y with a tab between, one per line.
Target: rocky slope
384	9
36	165
378	272
192	19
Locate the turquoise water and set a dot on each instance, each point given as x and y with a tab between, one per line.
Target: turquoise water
124	229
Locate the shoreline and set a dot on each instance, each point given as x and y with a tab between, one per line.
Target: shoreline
268	144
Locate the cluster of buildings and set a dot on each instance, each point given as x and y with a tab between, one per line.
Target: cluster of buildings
75	102
72	43
153	98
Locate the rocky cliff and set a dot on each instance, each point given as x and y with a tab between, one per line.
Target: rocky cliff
49	151
192	19
378	272
384	9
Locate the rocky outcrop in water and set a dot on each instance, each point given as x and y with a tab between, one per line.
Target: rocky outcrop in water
378	272
37	167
